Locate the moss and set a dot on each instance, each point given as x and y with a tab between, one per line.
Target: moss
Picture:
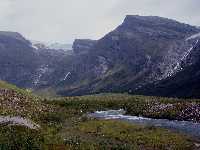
154	107
20	138
120	135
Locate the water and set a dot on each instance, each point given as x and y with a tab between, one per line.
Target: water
186	127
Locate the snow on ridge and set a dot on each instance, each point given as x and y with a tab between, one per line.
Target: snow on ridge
33	46
178	67
193	36
66	76
189	51
51	45
40	72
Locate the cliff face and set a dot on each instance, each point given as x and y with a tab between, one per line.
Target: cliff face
140	51
17	59
185	83
81	46
26	66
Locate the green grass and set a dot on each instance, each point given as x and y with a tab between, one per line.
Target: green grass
19	138
134	105
64	124
120	135
5	85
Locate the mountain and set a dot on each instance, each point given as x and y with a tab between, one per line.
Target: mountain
53	46
185	83
18	60
26	66
142	50
83	45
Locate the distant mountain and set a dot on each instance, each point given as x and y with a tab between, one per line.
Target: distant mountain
53	46
185	83
25	65
18	61
81	46
147	55
60	46
142	50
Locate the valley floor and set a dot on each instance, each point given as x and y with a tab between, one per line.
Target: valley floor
64	122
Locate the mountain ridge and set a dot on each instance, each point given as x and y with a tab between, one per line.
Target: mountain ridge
140	51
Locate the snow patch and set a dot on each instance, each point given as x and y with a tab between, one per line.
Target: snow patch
178	67
66	76
189	51
193	36
35	47
102	68
49	45
42	70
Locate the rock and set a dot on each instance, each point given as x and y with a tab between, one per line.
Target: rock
142	52
81	46
8	120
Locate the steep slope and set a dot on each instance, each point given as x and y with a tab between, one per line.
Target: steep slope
28	66
185	83
139	52
143	49
17	60
19	102
81	46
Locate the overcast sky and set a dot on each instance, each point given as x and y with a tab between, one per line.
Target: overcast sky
65	20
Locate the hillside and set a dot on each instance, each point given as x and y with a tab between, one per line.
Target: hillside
26	66
143	49
142	52
184	83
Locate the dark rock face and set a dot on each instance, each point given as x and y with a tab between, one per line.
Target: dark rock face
140	51
83	45
144	55
18	60
193	56
185	83
23	65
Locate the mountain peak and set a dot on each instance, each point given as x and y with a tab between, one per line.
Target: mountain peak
153	20
146	18
141	17
13	35
158	24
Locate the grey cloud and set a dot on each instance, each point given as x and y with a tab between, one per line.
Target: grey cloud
64	20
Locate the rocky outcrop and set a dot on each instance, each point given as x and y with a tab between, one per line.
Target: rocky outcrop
8	120
18	60
27	65
142	50
184	83
83	45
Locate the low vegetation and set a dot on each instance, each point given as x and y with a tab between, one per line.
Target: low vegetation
153	107
64	123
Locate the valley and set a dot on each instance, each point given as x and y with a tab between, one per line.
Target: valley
145	55
145	71
63	122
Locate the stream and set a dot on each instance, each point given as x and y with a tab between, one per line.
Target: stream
186	127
